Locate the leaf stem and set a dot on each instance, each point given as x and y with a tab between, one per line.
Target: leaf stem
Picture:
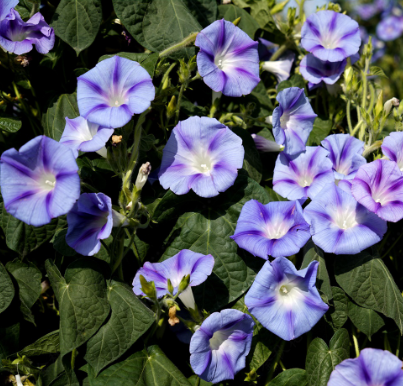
279	52
355	340
348	114
178	105
392	246
275	363
185	42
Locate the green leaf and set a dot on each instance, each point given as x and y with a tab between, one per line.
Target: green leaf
321	129
61	245
83	304
311	253
274	196
147	61
54	120
6	289
339	313
204	11
377	71
205	227
260	12
24	238
321	359
147	368
130	319
9	340
52	372
10	125
158	24
48	344
77	22
291	377
247	24
367	280
366	320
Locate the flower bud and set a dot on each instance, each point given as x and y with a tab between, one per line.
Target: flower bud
173	319
171	108
148	288
142	177
265	145
184	283
394	102
170	286
18	380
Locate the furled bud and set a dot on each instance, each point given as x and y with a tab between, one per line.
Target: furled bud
171	108
173	319
170	286
148	288
265	145
379	105
184	283
142	177
394	102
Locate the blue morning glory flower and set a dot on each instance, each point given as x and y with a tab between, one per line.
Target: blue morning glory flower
372	367
379	187
219	347
90	221
292	120
315	70
281	68
201	154
228	59
275	229
341	225
390	28
392	147
265	145
40	181
184	263
80	134
6	6
330	36
18	36
304	175
113	91
285	300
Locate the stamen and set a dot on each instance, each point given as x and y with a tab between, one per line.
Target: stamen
50	183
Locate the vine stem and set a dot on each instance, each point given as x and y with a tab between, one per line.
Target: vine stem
348	114
178	106
185	42
279	52
275	363
356	347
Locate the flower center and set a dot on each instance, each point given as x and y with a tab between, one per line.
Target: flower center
346	220
305	180
203	163
117	100
219	62
285	289
329	42
47	181
284	120
276	230
218	338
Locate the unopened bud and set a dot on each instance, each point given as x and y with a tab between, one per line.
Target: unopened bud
236	21
394	102
184	283
148	288
170	286
173	319
265	145
379	105
142	177
171	108
18	380
116	139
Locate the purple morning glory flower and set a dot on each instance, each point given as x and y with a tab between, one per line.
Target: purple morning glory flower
345	152
80	134
266	49
18	36
315	70
5	7
228	59
276	229
203	155
390	28
372	367
186	262
341	225
330	36
113	91
265	145
379	187
285	300
303	175
292	120
392	147
280	68
40	181
89	221
219	347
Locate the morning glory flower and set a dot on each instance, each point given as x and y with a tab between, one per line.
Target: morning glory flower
379	187
275	229
315	70
113	91
40	181
184	263
203	155
304	175
285	300
228	59
5	7
372	367
80	134
345	152
219	347
265	145
392	147
341	225
390	28
280	68
90	221
18	36
292	120
330	36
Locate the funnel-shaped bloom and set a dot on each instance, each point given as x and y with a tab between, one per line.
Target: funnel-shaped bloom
392	147
89	221
379	187
113	91
280	68
79	134
331	36
304	175
228	59
341	225
390	28
372	367
315	70
203	155
285	300
276	229
40	181
5	7
292	120
219	347
345	152
18	36
265	145
186	262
